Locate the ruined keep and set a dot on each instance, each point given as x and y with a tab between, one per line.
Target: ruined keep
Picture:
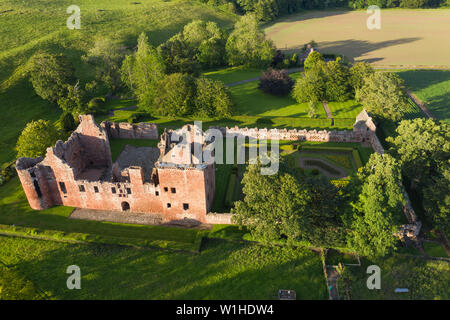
172	180
167	180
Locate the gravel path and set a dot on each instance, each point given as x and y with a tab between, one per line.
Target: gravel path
116	216
133	218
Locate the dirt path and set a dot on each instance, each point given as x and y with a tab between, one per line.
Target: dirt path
420	104
293	70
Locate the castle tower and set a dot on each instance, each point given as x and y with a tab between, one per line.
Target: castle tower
34	179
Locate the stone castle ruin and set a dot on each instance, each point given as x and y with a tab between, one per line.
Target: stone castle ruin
80	173
171	180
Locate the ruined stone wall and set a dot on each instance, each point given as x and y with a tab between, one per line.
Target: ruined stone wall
125	130
296	135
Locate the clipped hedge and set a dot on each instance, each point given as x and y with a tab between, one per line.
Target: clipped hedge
230	190
357	158
343	123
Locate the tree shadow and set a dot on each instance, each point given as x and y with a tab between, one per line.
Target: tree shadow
356	49
224	270
308	15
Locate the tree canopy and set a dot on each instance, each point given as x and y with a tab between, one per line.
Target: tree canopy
36	138
273	206
106	55
142	72
422	146
50	74
247	44
378	209
382	94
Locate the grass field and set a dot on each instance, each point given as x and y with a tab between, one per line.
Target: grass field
251	101
348	109
223	270
234	74
433	88
424	279
41	25
406	37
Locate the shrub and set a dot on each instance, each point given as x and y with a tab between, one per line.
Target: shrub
230	190
7	172
264	121
276	82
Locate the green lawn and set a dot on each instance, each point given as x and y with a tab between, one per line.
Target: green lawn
364	152
348	109
425	279
251	101
431	87
41	25
234	74
223	270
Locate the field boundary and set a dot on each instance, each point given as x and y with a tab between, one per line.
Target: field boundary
87	238
419	104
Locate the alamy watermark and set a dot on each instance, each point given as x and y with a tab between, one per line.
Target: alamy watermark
74	280
374	21
74	21
374	280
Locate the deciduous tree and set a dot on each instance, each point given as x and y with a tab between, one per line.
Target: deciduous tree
383	95
36	138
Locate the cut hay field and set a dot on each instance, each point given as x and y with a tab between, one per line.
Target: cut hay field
406	38
224	270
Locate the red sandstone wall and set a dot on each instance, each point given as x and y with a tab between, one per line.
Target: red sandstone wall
190	187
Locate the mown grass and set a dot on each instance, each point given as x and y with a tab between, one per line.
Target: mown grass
15	210
432	87
224	270
251	101
234	74
41	25
348	109
424	279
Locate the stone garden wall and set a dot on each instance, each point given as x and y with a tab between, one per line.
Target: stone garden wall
125	130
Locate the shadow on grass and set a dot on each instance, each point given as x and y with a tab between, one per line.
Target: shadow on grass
224	270
353	49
